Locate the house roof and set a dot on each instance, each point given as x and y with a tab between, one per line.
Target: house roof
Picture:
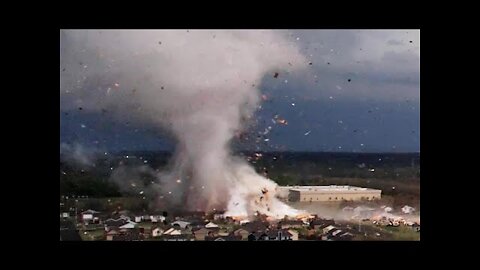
211	225
115	222
127	225
181	223
291	222
329	228
240	230
255	226
229	237
90	211
274	233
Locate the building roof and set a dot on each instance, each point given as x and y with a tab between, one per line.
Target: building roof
255	226
274	233
90	211
181	223
211	225
329	228
115	222
333	189
290	222
229	237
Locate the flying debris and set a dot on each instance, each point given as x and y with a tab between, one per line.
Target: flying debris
275	75
371	170
308	132
116	85
179	180
282	121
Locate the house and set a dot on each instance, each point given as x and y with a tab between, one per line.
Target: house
229	237
345	237
181	237
294	235
110	234
328	229
128	225
90	216
271	235
287	224
172	231
279	235
242	233
181	224
157	231
255	226
319	224
201	233
114	223
258	236
157	218
138	219
211	225
130	235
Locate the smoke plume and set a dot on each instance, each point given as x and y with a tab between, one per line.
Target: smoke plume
77	154
201	86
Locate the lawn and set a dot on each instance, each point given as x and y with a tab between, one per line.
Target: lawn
95	235
403	233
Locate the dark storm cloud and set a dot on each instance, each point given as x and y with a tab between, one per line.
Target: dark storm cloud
368	79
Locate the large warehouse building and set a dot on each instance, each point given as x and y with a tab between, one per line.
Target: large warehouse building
329	193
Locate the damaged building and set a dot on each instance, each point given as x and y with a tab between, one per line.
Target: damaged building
330	193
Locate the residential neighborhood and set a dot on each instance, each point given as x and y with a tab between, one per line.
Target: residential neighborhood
92	225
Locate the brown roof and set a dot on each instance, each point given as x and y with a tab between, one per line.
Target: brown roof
291	222
255	226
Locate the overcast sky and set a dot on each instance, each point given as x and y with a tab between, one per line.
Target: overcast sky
360	93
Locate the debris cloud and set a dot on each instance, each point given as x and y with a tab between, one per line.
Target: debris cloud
198	88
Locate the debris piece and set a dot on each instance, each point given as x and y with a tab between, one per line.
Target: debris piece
275	75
